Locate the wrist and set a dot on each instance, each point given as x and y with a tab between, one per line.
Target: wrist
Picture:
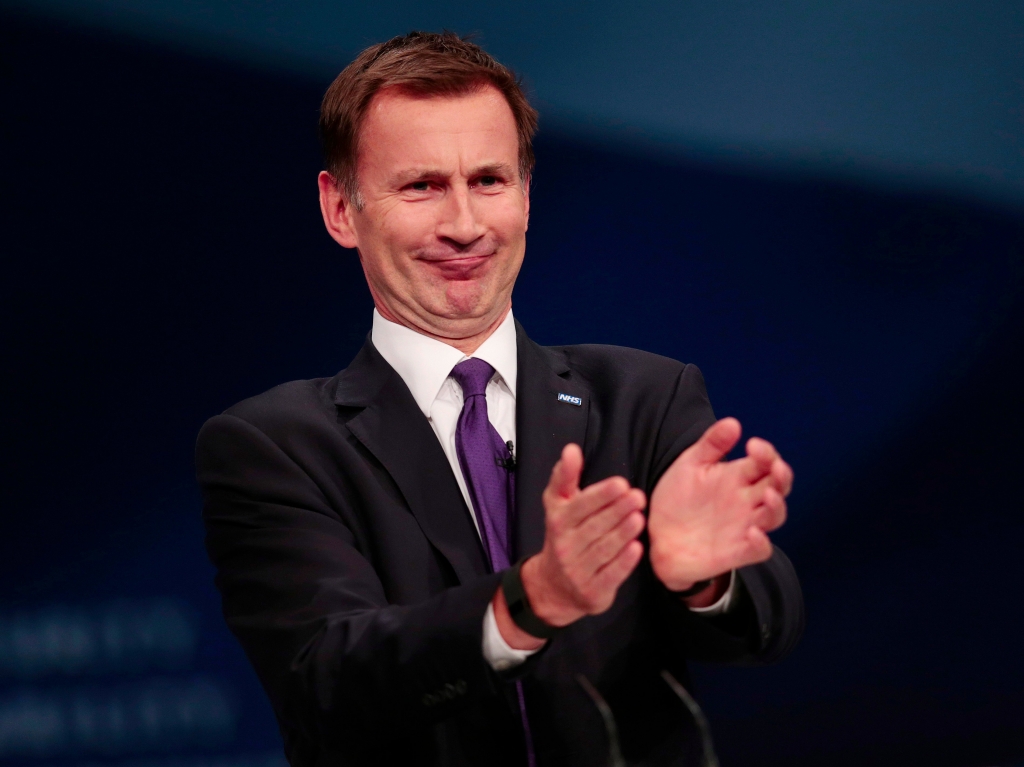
711	593
676	573
664	564
543	599
698	587
514	636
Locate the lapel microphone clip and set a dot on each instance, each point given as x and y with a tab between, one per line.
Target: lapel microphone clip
508	463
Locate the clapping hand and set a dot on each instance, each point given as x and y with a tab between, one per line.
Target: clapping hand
707	516
590	548
590	543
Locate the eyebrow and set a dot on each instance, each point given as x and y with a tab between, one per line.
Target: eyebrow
495	169
418	174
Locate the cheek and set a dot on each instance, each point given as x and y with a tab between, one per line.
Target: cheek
514	236
397	235
508	220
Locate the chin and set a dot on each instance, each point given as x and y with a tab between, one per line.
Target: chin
466	300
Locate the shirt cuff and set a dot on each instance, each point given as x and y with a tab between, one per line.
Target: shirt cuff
496	650
722	606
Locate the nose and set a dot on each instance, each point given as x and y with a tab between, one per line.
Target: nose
459	221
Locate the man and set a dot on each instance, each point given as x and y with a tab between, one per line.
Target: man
366	528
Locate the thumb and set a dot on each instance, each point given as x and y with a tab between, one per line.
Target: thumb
760	545
565	477
719	439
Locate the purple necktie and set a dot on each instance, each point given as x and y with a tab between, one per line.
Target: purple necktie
484	459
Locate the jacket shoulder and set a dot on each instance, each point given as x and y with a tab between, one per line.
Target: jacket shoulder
280	413
285	402
616	368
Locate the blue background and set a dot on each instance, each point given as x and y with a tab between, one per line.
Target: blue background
821	206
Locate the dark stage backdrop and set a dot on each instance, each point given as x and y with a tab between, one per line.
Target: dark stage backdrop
163	257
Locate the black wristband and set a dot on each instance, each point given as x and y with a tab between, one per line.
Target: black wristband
695	589
519	606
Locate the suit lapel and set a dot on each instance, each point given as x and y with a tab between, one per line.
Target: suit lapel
394	430
544	425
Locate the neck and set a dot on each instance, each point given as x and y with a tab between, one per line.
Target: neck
466	344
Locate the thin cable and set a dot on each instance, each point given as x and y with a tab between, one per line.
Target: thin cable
614	752
710	759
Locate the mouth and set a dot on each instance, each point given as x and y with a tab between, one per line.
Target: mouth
461	267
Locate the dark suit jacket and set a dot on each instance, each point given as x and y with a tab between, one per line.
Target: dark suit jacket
352	574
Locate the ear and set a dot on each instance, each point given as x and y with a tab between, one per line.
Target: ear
336	210
526	200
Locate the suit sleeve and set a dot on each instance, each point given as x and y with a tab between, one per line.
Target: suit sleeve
337	661
769	620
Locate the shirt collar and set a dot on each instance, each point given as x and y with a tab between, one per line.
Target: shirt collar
425	363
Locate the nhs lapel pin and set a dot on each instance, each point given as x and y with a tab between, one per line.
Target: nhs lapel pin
569	399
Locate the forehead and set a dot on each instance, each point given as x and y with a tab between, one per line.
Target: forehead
401	130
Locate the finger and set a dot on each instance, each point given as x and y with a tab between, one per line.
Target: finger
605	519
719	439
771	514
761	450
611	576
602	550
755	493
761	455
768	458
565	476
783	474
759	547
595	497
750	470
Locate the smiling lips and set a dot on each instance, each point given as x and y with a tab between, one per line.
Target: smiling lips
458	267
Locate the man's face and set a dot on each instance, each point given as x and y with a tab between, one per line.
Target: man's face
442	231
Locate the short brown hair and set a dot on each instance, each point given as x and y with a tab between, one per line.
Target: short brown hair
423	64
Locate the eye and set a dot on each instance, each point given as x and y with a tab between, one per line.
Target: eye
488	180
420	186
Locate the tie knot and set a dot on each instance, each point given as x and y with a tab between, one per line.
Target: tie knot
472	375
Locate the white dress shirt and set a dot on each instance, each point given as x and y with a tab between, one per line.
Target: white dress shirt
425	365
